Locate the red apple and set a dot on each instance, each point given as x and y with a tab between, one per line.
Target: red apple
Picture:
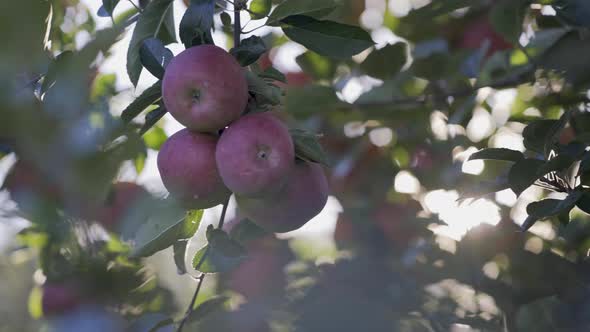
123	197
205	88
255	154
304	196
59	298
480	30
187	167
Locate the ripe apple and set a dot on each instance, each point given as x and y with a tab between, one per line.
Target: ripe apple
480	30
28	186
187	167
255	154
396	222
304	196
58	298
205	88
123	197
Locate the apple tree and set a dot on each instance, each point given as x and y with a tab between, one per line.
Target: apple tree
452	134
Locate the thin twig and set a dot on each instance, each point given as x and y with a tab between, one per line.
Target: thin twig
237	24
201	277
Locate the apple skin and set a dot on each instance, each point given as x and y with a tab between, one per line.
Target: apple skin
255	154
303	197
123	197
59	298
477	31
187	167
205	88
28	186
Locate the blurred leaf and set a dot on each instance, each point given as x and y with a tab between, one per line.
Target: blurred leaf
437	8
575	12
104	85
156	21
497	154
314	8
197	22
167	224
249	50
535	134
152	118
109	6
264	92
307	147
56	66
507	18
272	73
155	138
326	37
212	305
35	304
567	56
179	249
162	323
317	66
221	254
147	98
550	207
154	56
72	76
246	231
523	174
260	8
386	62
311	99
139	162
482	188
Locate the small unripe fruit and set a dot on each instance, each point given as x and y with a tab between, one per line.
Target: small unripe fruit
255	155
304	196
187	167
204	88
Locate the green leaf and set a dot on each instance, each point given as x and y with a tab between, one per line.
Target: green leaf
535	134
225	19
156	21
179	250
147	98
437	8
104	85
273	74
246	231
386	62
249	50
483	188
307	147
507	18
550	207
57	65
497	154
523	174
109	6
155	56
264	92
221	254
139	162
197	22
313	8
566	56
326	37
167	224
152	118
317	66
575	12
584	202
311	99
35	303
155	138
260	8
558	163
212	305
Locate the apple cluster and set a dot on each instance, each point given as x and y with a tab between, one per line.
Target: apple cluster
224	149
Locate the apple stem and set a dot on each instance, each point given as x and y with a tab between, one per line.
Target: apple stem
237	22
201	276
